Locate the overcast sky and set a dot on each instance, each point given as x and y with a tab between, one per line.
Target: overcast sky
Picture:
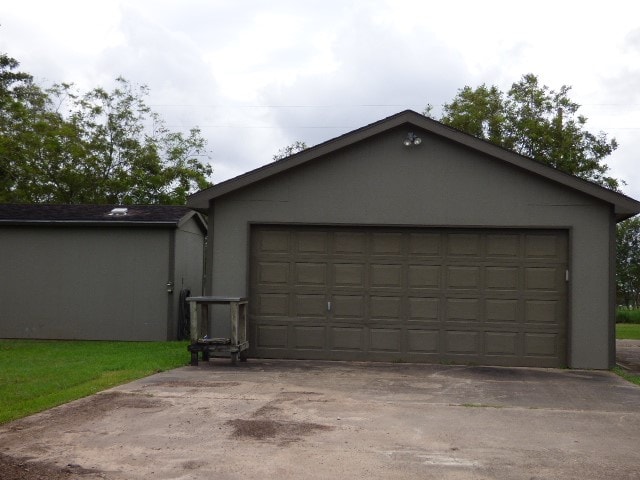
256	76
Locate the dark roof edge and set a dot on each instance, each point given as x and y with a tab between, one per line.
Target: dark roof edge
91	223
200	200
625	206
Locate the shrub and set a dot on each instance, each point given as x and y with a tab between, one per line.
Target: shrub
627	315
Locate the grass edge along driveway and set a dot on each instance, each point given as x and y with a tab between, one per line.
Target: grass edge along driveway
627	331
36	375
39	374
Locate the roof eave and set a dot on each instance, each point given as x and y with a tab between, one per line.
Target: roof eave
624	206
89	223
201	199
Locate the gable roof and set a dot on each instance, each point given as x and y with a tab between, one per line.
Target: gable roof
97	215
624	206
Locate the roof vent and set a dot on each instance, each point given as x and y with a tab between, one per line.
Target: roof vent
118	212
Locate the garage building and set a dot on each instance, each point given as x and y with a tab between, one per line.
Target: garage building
97	272
407	240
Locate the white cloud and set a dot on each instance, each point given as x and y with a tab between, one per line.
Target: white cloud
257	75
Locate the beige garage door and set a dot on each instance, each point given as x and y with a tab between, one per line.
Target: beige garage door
489	297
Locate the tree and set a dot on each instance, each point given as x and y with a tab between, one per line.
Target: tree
127	161
289	150
22	120
62	146
533	120
628	262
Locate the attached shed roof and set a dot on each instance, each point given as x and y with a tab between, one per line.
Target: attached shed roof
624	206
97	215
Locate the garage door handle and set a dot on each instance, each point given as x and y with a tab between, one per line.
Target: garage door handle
328	306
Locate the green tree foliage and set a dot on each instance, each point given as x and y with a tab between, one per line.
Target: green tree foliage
628	262
544	124
22	119
104	147
536	121
289	150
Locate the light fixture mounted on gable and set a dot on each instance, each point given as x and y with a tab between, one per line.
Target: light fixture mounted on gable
412	139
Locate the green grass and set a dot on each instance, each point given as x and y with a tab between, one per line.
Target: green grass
39	374
628	315
626	375
630	331
626	331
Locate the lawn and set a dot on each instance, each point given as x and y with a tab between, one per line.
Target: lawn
39	374
629	331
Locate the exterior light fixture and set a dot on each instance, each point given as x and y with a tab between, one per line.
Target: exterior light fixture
412	139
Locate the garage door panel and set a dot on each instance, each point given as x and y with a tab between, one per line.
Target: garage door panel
501	343
466	277
423	340
351	243
273	273
273	241
387	244
501	310
502	278
424	276
348	275
347	338
385	308
421	308
541	344
348	306
316	243
483	296
308	337
311	305
385	339
310	274
463	309
550	279
272	336
503	246
463	244
269	304
425	244
457	341
542	311
387	276
543	246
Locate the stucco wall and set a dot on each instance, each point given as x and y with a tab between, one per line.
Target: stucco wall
84	283
439	183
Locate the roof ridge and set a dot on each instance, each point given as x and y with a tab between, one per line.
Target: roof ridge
624	206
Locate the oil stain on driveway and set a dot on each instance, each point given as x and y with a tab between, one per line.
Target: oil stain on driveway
318	420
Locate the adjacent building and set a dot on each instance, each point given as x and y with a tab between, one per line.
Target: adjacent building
97	272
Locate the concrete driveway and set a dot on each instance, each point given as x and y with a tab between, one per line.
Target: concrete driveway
628	355
320	420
